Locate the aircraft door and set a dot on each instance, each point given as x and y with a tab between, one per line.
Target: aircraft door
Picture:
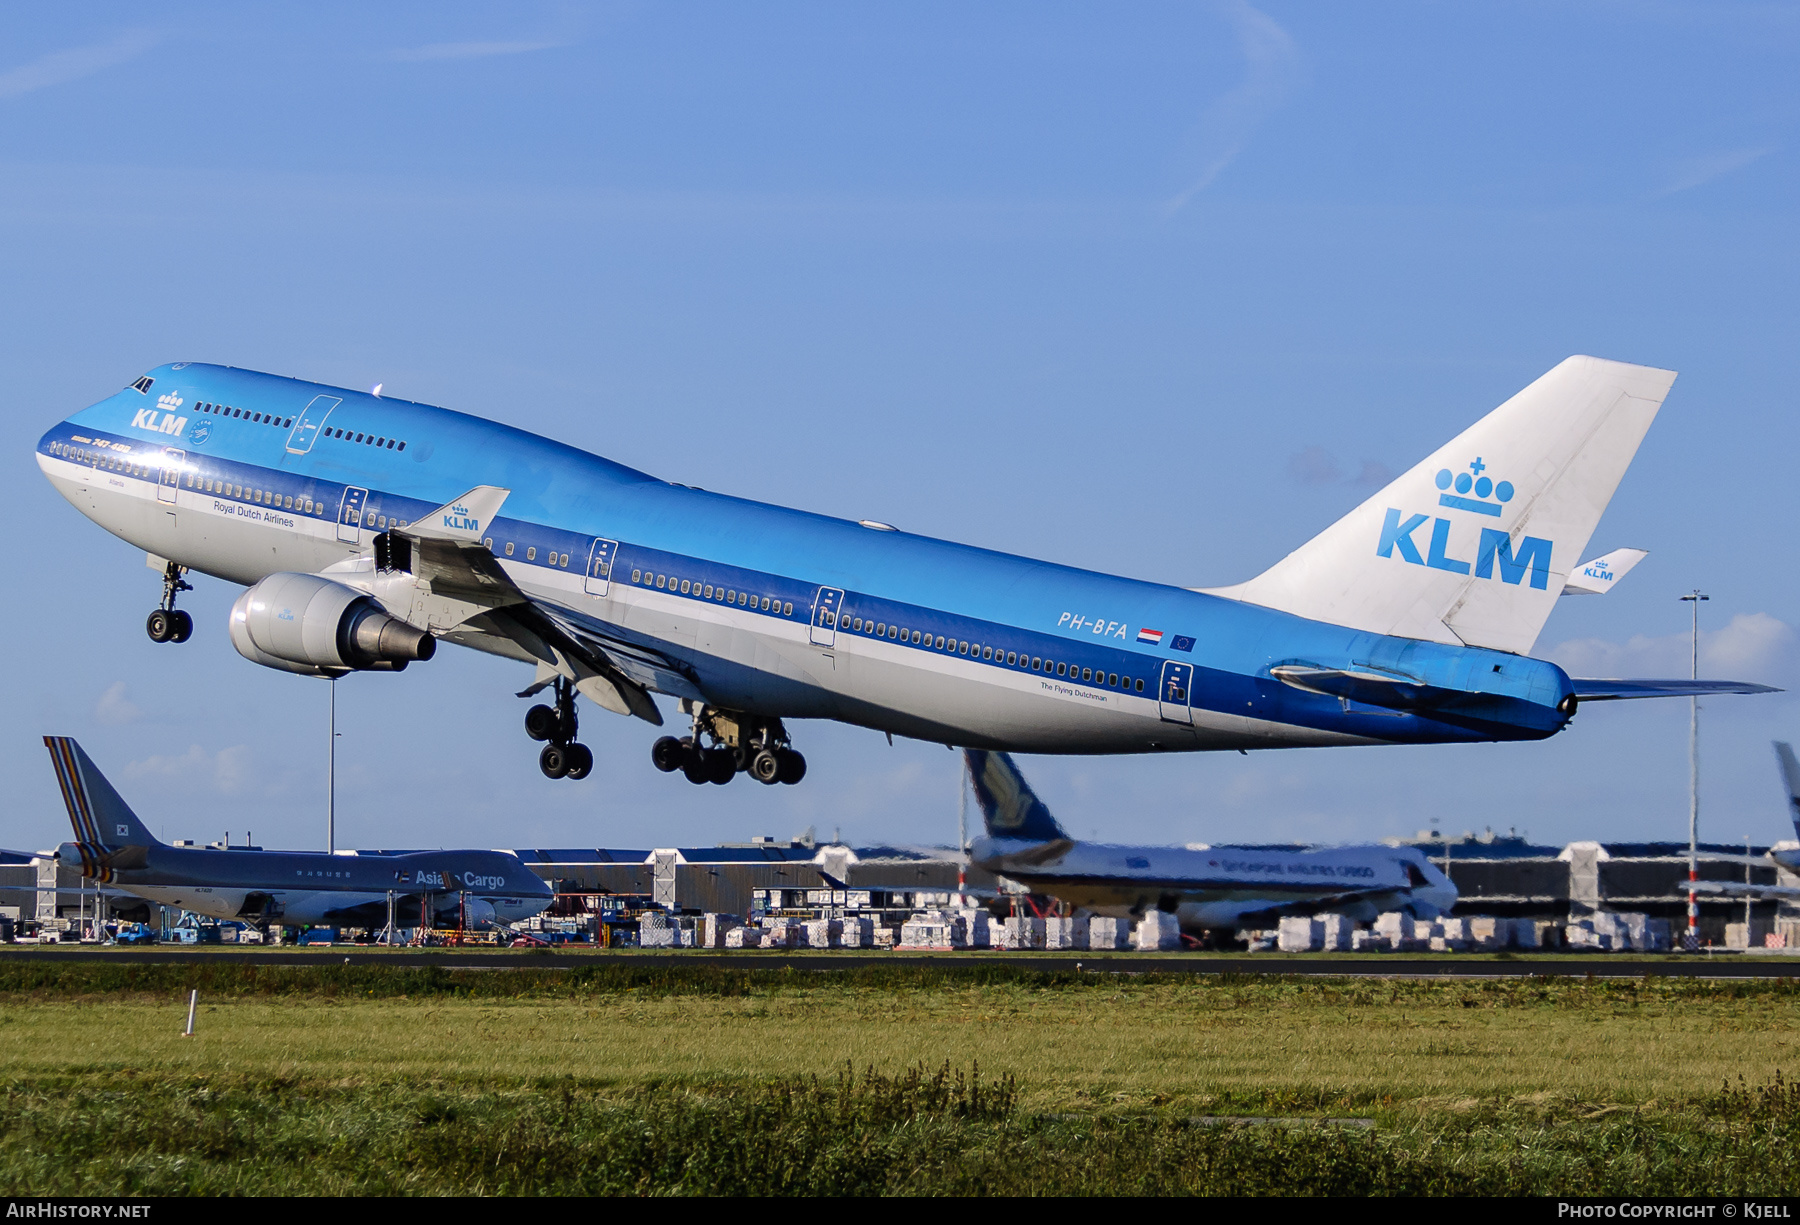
312	420
825	612
1174	695
174	460
599	566
350	513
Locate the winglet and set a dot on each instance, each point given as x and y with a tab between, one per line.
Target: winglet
1598	576
463	518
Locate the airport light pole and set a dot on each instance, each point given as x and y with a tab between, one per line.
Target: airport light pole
1693	933
331	775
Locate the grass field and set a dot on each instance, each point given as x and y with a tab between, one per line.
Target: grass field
614	1078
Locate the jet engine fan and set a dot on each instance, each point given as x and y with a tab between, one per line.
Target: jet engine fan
307	624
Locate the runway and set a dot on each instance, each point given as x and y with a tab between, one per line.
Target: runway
1727	966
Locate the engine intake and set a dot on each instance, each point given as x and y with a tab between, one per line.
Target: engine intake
307	624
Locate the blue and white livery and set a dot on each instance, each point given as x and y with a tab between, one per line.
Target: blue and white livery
1204	887
367	529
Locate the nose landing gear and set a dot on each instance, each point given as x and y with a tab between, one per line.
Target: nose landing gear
739	744
561	757
168	623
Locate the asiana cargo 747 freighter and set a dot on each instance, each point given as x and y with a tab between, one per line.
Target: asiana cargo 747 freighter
367	529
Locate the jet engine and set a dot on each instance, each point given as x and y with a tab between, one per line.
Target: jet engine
311	625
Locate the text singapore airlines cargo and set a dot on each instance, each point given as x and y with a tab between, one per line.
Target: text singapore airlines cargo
367	529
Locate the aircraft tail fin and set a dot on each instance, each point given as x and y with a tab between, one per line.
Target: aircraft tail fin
1790	778
1474	544
101	816
1009	807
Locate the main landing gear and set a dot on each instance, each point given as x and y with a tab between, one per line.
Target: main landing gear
739	744
562	757
168	623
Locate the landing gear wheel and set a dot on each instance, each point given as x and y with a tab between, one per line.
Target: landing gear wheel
160	625
791	768
541	723
721	766
554	761
695	769
581	761
765	767
184	627
667	754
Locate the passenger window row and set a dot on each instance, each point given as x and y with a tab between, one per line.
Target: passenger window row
1012	659
367	440
707	591
220	410
261	497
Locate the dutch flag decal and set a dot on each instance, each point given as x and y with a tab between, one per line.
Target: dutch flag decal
1153	637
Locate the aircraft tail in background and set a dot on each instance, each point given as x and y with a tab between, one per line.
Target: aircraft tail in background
1790	778
101	816
1009	807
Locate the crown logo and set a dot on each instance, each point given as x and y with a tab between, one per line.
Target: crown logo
1474	482
170	402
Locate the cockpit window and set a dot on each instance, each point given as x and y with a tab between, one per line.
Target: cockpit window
142	386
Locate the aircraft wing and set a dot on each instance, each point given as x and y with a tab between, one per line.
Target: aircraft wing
1724	888
1616	690
444	552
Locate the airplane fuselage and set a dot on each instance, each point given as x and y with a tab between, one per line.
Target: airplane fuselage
1222	886
751	607
292	888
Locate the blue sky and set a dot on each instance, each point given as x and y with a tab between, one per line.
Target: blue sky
1161	290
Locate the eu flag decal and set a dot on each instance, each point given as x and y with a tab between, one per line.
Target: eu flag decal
1181	643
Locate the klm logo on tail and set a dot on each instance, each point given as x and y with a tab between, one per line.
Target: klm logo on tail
162	418
1494	547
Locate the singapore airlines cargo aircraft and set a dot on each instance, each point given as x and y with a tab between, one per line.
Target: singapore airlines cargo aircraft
286	888
366	529
1204	887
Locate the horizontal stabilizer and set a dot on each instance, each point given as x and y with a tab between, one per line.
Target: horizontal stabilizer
1598	576
1721	888
1612	691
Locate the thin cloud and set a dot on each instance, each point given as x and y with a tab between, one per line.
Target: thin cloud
228	771
1314	465
114	708
470	51
1271	63
1695	171
1752	647
60	67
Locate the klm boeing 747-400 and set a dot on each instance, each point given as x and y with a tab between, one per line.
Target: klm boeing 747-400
366	529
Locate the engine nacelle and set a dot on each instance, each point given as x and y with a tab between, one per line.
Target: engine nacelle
311	625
